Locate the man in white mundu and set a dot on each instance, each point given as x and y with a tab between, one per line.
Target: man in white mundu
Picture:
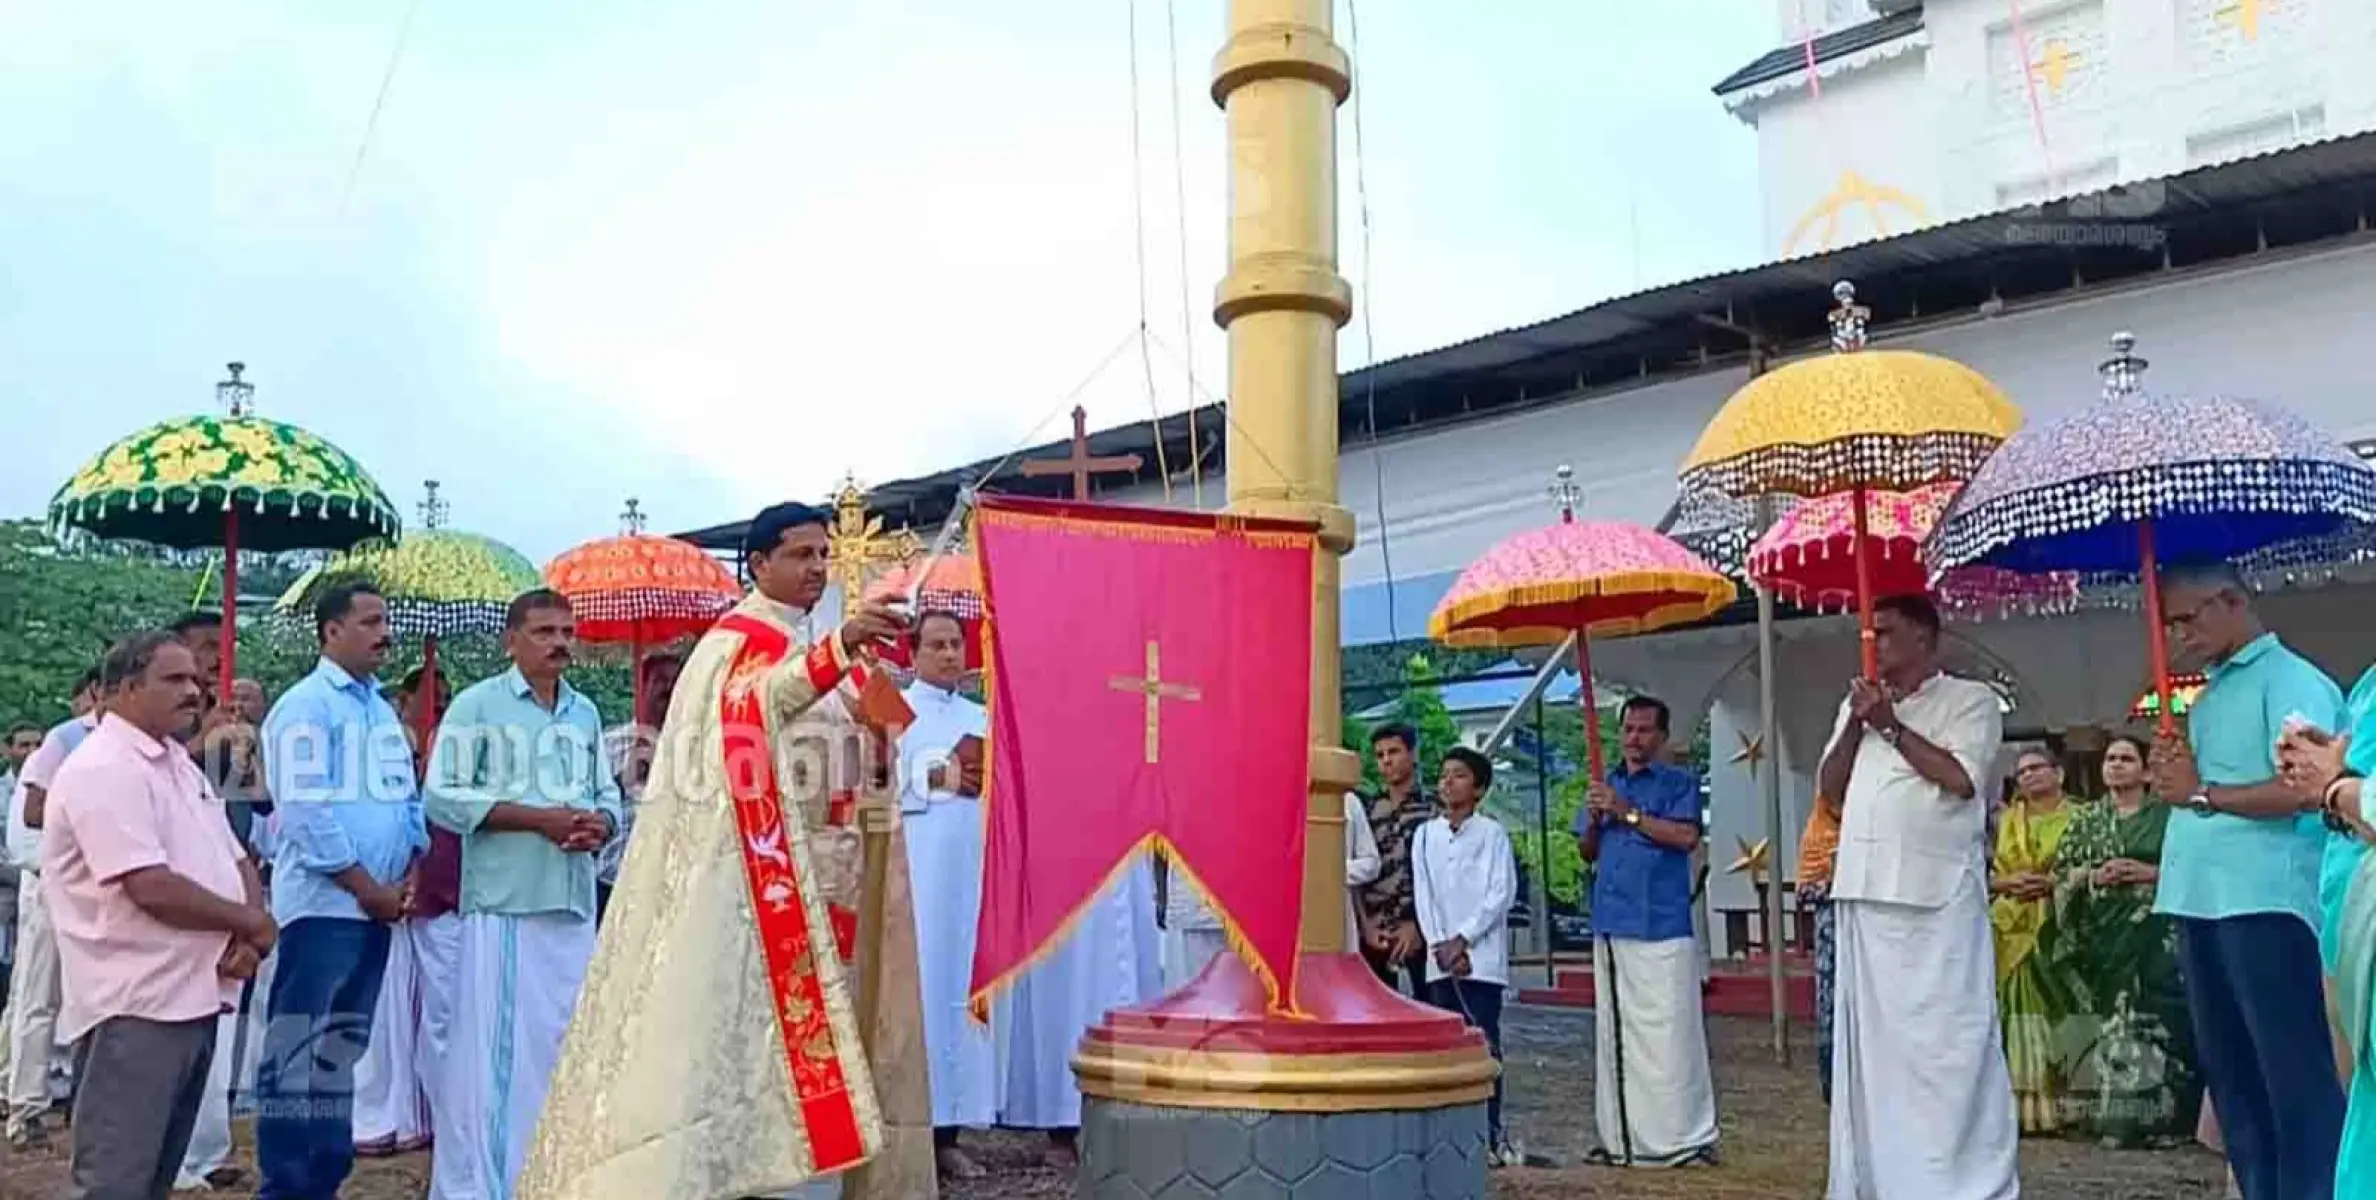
1922	1102
939	802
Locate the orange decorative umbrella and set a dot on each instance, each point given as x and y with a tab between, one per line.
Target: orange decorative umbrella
1808	556
641	589
952	583
1852	422
1587	578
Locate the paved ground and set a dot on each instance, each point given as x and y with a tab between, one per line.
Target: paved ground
1773	1138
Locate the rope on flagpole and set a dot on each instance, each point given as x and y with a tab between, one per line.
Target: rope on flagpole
1171	47
379	102
2029	86
1369	330
1138	249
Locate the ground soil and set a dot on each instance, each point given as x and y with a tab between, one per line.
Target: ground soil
1773	1123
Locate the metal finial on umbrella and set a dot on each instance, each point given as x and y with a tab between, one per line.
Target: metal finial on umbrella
1566	493
434	508
2124	371
236	394
631	522
1849	320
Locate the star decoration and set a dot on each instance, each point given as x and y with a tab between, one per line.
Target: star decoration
1752	859
1752	751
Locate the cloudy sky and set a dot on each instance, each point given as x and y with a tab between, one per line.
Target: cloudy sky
717	254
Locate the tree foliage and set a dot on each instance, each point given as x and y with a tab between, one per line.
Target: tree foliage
62	605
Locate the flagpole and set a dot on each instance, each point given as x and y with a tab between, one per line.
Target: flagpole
1214	1063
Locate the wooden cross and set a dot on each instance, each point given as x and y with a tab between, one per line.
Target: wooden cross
1078	464
1152	686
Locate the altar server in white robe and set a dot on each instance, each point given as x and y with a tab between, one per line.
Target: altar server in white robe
1192	934
1110	959
518	772
1922	1103
939	802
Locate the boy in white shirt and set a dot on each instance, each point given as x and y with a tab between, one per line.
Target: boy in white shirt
1464	880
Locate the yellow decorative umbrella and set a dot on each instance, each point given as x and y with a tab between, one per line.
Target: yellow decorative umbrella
1852	421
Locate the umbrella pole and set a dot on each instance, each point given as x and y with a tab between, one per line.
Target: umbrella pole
1590	707
432	701
2157	637
1866	645
635	668
229	658
1769	778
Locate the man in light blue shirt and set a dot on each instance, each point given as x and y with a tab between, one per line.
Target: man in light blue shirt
2240	870
341	776
519	773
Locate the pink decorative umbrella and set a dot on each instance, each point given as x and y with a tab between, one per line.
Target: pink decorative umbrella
1809	556
1588	578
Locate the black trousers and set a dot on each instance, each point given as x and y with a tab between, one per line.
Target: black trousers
1480	1004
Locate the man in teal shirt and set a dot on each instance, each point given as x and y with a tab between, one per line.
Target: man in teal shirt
519	774
2241	868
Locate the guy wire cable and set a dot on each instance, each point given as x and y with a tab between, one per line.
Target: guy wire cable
379	102
1369	342
1171	47
1138	249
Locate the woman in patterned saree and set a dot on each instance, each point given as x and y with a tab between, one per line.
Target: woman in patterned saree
2133	1080
2032	997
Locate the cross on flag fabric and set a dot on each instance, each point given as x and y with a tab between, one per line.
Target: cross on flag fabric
1146	687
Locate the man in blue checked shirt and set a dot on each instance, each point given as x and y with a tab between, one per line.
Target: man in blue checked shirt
520	774
1655	1103
341	776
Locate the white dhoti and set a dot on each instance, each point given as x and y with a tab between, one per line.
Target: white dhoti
944	848
391	1108
210	1135
1109	960
1922	1103
517	982
1658	1107
437	953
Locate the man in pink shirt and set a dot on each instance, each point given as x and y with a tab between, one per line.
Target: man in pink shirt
158	915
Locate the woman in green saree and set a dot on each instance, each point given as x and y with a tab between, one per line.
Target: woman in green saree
2333	771
2032	997
2132	1077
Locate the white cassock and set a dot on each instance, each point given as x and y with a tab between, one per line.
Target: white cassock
944	848
1192	934
1922	1103
1109	960
391	1108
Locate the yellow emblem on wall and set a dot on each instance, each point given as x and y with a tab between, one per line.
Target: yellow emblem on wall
1854	191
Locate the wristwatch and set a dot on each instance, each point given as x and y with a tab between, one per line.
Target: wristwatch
2201	802
1633	817
1891	733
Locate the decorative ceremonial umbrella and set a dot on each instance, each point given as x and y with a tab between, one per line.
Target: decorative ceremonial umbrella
2135	480
2183	691
1854	421
438	582
951	584
1588	578
641	590
1808	556
236	481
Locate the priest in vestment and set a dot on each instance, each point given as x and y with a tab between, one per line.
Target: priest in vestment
941	814
716	1051
1110	958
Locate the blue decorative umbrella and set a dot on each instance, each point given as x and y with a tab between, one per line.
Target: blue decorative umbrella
2137	479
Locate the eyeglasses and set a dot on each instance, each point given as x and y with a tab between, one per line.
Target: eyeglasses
2189	616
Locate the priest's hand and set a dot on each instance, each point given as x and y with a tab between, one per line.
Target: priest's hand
871	624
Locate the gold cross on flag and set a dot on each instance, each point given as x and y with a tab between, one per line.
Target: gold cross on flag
1153	687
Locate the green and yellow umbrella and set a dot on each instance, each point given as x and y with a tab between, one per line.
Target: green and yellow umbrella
438	582
237	481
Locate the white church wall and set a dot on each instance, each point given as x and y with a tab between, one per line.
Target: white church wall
1861	164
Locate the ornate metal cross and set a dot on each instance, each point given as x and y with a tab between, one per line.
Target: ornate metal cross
859	546
1079	464
1152	686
